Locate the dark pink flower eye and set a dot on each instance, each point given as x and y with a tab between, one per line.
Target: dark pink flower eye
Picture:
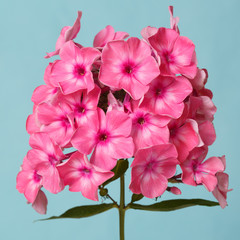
103	137
79	71
141	120
128	69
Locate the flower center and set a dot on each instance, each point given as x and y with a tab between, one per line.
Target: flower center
128	69
52	160
36	177
141	120
79	71
158	92
168	57
103	137
81	109
85	170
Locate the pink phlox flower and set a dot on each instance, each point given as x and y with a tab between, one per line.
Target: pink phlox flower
108	136
173	20
44	156
57	121
49	92
177	53
83	176
129	66
195	171
166	95
67	33
184	134
151	169
83	104
201	108
221	190
29	181
148	129
106	35
73	71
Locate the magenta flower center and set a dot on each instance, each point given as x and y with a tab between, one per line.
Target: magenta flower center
103	137
81	109
79	71
150	166
128	68
141	121
36	177
85	171
168	57
53	161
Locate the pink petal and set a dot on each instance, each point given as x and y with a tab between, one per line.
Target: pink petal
153	186
211	166
40	203
118	123
209	181
104	36
207	132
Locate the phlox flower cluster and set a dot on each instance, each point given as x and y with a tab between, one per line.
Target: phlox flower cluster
124	97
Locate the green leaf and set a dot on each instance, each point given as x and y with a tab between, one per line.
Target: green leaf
83	211
119	170
136	197
172	205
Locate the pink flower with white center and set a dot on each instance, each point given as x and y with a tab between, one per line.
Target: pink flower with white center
184	135
177	53
82	176
57	121
44	157
83	104
108	135
148	129
195	171
67	33
73	71
151	169
166	95
128	65
106	35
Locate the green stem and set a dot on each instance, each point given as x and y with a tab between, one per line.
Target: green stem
122	208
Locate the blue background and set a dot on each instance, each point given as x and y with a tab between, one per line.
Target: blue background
30	28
